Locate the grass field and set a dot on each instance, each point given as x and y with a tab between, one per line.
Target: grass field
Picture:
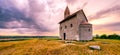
58	47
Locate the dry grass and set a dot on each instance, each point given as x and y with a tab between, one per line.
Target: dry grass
58	47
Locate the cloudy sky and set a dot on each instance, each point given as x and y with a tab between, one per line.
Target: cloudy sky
41	17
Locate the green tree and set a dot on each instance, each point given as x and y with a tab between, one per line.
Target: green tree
104	36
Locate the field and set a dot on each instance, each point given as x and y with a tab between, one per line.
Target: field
38	46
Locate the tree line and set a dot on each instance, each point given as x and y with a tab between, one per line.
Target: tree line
2	37
104	36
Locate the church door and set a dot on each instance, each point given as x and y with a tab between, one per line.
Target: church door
64	34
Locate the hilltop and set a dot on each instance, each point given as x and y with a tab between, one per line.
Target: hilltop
58	47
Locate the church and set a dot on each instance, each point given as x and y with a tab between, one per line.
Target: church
75	26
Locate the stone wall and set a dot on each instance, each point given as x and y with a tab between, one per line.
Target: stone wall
71	32
85	32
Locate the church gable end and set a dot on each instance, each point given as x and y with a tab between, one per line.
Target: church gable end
81	16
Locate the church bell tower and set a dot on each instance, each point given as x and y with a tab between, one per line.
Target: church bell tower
67	12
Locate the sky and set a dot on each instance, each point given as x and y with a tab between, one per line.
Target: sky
41	17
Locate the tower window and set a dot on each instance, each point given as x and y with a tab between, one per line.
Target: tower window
71	25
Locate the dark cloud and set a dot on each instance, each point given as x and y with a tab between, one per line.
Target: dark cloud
37	10
13	14
6	4
103	13
2	26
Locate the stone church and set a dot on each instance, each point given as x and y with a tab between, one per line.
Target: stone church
75	26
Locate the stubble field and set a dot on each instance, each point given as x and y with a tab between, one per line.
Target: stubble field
59	47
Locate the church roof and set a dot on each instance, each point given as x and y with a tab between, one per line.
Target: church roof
72	15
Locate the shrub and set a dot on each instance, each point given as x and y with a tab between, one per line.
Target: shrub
104	36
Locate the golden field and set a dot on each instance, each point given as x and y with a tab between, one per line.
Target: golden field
59	47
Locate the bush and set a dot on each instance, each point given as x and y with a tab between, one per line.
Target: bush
104	36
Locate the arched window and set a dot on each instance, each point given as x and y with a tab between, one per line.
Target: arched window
89	29
60	27
65	27
71	25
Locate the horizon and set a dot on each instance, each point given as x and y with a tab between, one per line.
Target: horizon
41	17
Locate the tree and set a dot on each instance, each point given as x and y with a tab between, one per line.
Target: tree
104	36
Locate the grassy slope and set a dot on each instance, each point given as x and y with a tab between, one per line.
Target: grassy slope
58	47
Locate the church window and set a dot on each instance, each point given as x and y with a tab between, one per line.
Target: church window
60	27
89	30
65	27
71	25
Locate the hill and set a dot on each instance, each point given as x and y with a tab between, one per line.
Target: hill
58	47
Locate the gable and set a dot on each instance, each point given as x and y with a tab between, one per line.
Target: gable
81	16
84	15
79	13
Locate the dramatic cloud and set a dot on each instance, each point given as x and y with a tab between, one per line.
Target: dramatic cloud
113	26
41	17
35	16
12	18
103	13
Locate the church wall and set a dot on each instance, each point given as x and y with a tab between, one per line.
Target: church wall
71	32
81	16
85	32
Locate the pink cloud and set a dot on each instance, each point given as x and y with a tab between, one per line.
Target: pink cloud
44	15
